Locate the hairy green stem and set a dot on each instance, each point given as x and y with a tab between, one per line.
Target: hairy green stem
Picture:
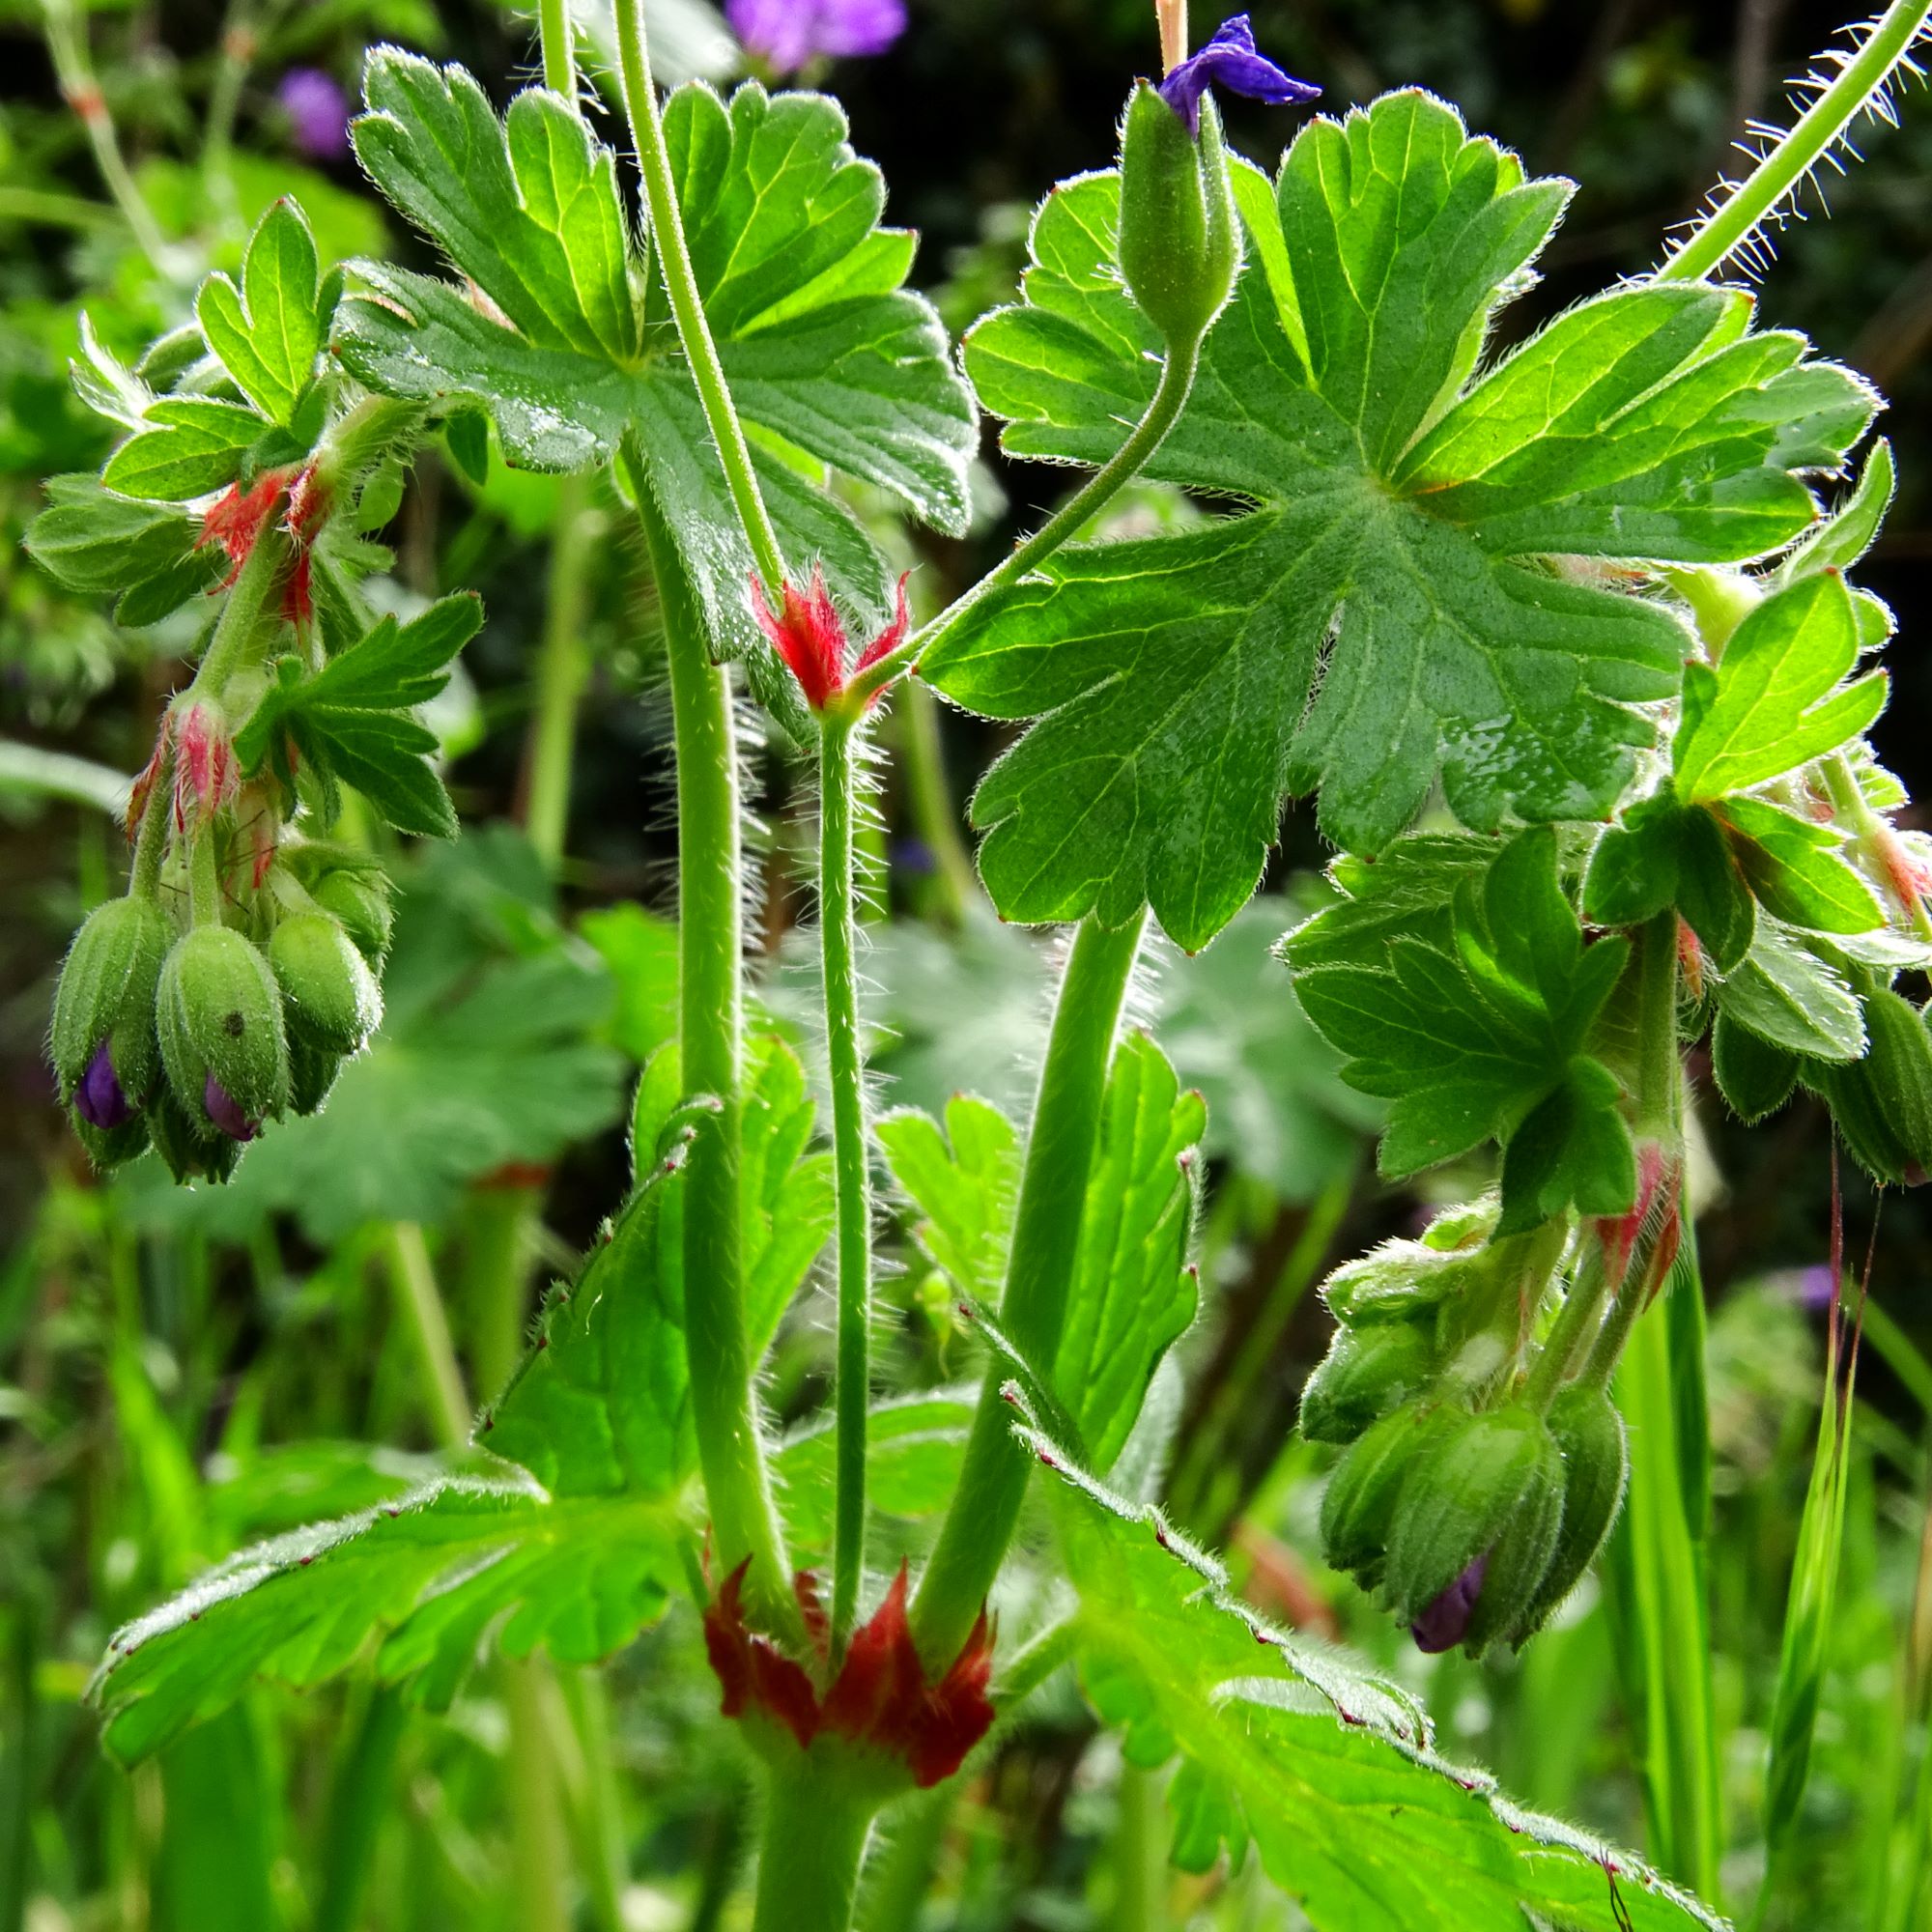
238	630
204	878
1579	1319
1170	398
1797	152
73	68
539	1856
900	1879
1877	841
694	330
837	942
150	838
561	665
1660	1068
1046	1241
744	1517
812	1847
559	53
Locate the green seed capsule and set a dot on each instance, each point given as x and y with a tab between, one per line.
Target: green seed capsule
1366	1372
106	999
1596	1465
219	1017
332	997
1179	245
353	887
1493	1487
1361	1501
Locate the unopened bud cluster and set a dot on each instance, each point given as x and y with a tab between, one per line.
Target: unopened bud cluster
184	1021
1470	1510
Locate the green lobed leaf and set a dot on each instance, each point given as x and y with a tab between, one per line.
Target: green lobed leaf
196	446
90	540
349	720
1772	702
1332	1773
1478	1033
1133	1292
1797	868
578	1556
964	1182
1395	500
269	332
830	359
1786	994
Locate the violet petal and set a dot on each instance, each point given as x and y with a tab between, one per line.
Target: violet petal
226	1112
1232	60
100	1099
1445	1622
787	34
318	113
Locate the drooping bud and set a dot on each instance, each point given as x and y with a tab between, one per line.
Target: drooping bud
1179	243
219	1018
1359	1504
206	774
103	1042
1443	1622
1495	1491
352	887
1754	1075
331	997
193	1147
1882	1102
312	1071
1596	1466
1366	1372
808	632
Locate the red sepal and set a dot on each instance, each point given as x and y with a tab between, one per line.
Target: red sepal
807	635
880	1699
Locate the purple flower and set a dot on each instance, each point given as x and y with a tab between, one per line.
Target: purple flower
1445	1622
225	1111
1230	60
99	1099
318	112
787	34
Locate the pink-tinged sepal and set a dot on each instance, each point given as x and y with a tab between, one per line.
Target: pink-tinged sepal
808	632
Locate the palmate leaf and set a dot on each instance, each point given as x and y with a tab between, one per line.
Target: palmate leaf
579	1563
269	331
95	542
1393	566
1132	1293
1331	1773
1474	1027
827	355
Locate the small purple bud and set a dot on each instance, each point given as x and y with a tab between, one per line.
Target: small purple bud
225	1112
318	112
99	1099
1444	1622
1232	60
787	34
1815	1287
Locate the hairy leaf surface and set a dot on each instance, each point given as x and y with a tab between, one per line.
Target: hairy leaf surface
1393	567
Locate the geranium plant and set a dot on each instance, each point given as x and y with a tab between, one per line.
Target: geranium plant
1563	636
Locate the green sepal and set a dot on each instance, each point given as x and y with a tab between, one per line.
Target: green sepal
1754	1075
1178	246
1883	1104
351	885
1363	1376
1359	1504
106	993
190	1150
332	998
219	1011
1590	1434
1797	868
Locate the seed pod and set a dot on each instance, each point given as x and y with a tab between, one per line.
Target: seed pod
219	1017
1365	1374
1495	1488
102	1039
1178	242
332	999
1596	1465
1359	1503
1755	1076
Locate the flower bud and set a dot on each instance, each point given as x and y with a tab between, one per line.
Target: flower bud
1754	1075
191	1152
312	1071
1359	1503
1493	1489
1178	245
331	997
1596	1465
353	887
219	1017
1883	1104
1365	1374
102	1039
